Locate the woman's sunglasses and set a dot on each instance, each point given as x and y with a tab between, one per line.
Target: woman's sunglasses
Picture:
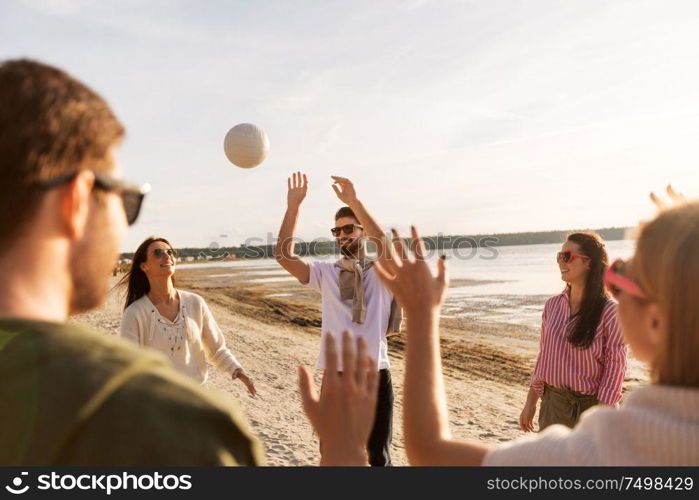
131	196
568	256
616	282
347	229
159	252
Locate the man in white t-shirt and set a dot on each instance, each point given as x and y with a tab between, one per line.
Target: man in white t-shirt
353	297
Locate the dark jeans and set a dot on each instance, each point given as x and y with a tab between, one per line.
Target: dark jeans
379	445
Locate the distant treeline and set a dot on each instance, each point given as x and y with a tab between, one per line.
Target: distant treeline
325	247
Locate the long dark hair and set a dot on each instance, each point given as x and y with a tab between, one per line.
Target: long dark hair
595	295
136	280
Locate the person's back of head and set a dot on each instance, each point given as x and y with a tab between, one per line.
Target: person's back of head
56	134
666	266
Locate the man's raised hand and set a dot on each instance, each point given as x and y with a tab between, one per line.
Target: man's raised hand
344	189
298	187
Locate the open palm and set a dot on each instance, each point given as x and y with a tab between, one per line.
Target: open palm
298	187
344	189
410	279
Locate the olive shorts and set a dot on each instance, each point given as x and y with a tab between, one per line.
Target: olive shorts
563	406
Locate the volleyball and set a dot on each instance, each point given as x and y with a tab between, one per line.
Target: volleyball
246	145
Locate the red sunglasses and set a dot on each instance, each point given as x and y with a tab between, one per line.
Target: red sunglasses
616	282
568	256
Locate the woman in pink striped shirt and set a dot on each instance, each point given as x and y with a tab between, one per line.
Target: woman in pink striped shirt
582	355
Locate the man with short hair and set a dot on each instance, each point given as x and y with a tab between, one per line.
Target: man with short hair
353	297
69	395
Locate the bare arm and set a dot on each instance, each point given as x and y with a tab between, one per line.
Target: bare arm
284	251
526	417
428	440
345	192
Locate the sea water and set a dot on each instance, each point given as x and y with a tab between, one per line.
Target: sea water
513	282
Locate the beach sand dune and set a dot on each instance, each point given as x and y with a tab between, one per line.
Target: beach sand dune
274	326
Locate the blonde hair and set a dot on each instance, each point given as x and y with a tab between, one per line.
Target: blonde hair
666	264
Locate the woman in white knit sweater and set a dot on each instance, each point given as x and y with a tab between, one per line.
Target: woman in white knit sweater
177	323
658	295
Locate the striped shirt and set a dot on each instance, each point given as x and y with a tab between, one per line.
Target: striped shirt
598	370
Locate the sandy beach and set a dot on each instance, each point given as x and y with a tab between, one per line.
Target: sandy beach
273	325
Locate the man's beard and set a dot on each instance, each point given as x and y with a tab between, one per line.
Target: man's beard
351	249
89	292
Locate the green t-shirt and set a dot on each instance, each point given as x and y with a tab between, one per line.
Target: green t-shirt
72	396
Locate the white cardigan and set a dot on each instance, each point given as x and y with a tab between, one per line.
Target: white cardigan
188	342
656	425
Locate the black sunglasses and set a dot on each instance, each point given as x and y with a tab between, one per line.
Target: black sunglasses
159	252
131	196
347	229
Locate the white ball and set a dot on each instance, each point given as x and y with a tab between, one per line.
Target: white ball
246	145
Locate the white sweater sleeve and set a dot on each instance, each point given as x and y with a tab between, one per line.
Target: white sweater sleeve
215	343
555	446
584	445
655	426
130	328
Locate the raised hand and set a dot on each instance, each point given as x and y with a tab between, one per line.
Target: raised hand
344	189
344	413
675	198
410	279
298	187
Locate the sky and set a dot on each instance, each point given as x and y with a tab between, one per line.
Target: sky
460	117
